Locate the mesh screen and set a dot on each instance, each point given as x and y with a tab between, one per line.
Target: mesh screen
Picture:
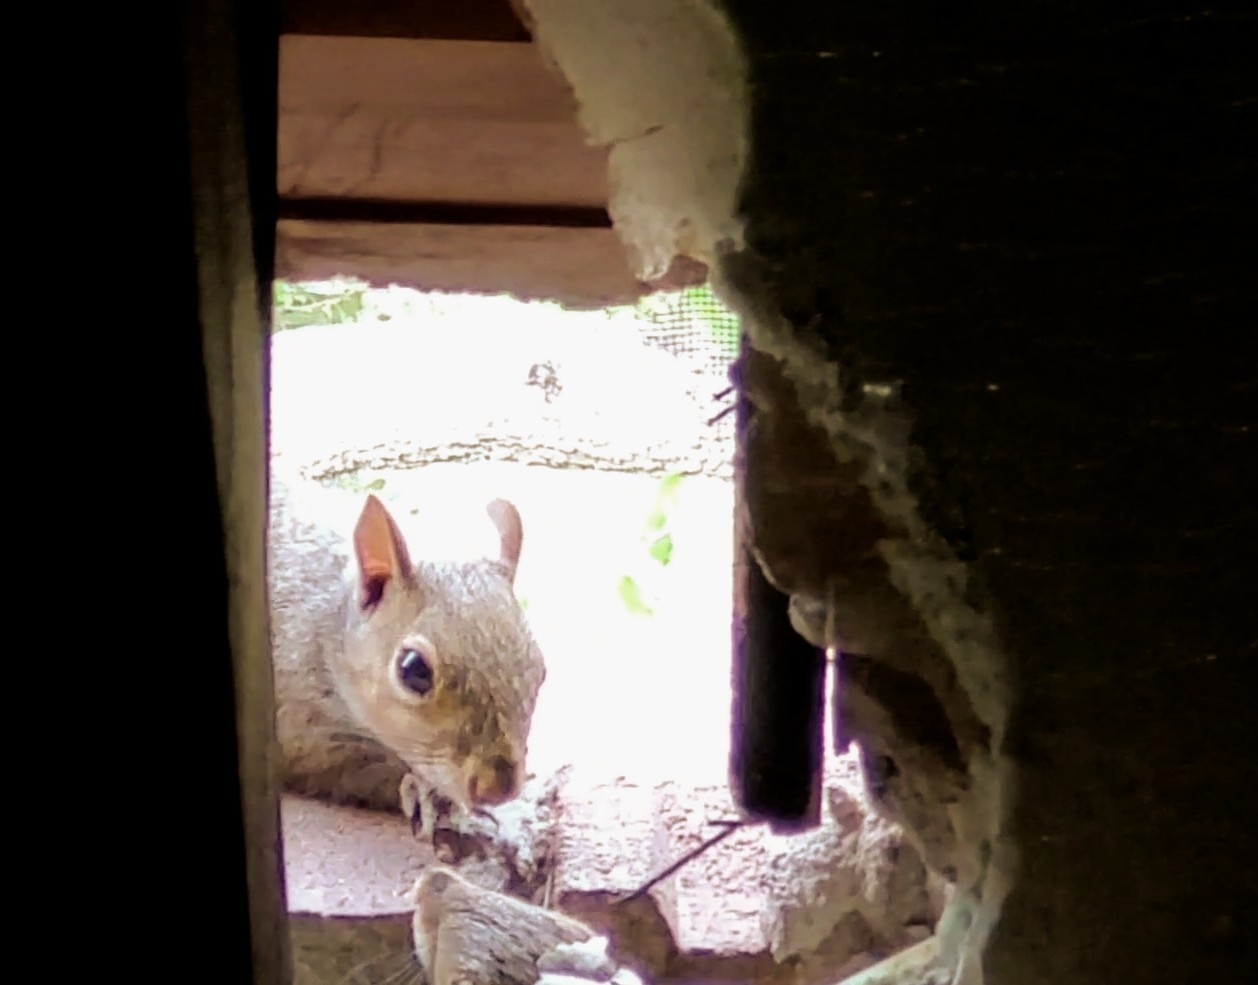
694	325
696	328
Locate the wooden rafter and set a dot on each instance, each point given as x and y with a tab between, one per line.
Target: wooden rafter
438	20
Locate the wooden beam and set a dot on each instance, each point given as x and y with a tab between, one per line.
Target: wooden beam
430	121
446	20
776	742
360	210
581	267
231	70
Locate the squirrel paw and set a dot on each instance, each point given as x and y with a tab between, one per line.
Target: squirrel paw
467	824
583	963
419	804
430	813
585	959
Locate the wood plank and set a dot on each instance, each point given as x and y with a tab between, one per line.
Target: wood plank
582	267
443	213
777	752
230	63
453	20
461	121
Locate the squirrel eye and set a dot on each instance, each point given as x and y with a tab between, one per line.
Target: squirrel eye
415	672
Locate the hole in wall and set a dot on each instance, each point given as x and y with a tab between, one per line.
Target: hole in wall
435	402
604	428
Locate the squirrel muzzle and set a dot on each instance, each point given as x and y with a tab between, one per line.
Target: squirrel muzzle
492	781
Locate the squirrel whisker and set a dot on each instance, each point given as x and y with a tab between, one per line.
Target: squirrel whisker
403	963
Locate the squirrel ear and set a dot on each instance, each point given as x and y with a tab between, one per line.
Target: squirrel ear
380	551
510	533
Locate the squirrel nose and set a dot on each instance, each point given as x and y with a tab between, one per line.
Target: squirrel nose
494	781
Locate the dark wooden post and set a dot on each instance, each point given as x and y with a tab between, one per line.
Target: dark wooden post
778	677
231	65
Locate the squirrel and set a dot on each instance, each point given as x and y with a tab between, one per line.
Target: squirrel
399	682
464	934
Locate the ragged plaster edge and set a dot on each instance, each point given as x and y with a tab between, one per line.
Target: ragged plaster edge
663	84
875	435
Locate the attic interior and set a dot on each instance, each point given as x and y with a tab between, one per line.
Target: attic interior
994	206
435	147
430	146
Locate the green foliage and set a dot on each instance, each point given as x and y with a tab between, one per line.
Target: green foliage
631	595
329	303
670	486
722	323
658	541
661	549
701	305
357	482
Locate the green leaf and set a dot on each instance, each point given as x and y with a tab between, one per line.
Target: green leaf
524	604
670	485
374	486
662	549
296	305
656	520
631	595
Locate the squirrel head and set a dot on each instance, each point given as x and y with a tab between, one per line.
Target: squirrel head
438	660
